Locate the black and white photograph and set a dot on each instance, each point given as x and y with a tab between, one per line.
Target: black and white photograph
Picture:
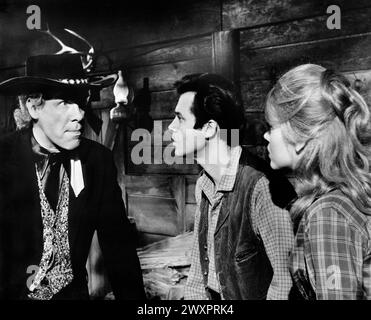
203	152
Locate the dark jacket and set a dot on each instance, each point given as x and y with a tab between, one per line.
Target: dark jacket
98	207
241	263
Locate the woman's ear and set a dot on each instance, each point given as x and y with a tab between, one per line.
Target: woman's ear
32	108
299	147
210	129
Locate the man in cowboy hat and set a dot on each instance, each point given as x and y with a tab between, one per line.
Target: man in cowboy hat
57	188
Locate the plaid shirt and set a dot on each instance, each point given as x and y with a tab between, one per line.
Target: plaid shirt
270	222
333	249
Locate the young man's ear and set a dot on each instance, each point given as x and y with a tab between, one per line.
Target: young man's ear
32	108
210	129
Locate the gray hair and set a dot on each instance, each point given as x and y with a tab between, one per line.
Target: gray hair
21	115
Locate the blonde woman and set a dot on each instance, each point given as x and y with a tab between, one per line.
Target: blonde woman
321	129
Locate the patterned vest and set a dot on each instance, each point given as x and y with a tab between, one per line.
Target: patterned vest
55	269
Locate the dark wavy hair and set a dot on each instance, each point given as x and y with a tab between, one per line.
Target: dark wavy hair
215	99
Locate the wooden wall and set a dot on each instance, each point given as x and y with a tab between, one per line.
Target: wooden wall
167	45
274	36
164	40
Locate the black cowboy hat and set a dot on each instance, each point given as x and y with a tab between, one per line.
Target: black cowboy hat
54	72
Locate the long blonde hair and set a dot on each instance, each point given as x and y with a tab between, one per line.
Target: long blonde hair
319	108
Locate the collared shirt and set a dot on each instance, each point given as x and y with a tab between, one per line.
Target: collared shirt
269	221
214	194
43	160
333	250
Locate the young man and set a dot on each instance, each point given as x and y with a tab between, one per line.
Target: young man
242	237
56	189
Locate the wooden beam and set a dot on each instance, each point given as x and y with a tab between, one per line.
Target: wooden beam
178	185
115	25
175	51
162	76
343	54
225	54
154	215
304	30
248	13
190	210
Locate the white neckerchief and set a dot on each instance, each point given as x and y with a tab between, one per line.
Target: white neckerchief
77	177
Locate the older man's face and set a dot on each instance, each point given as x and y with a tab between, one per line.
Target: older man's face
60	123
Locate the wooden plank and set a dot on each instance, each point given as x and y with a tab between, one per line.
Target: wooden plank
175	169
250	13
115	25
310	29
16	41
179	50
165	283
154	215
225	54
107	123
254	93
146	238
172	252
7	107
163	104
111	133
190	189
142	22
179	189
162	77
120	157
154	186
344	54
190	210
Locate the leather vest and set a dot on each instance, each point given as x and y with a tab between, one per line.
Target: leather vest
242	265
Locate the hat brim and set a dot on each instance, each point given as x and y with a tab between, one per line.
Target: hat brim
27	84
